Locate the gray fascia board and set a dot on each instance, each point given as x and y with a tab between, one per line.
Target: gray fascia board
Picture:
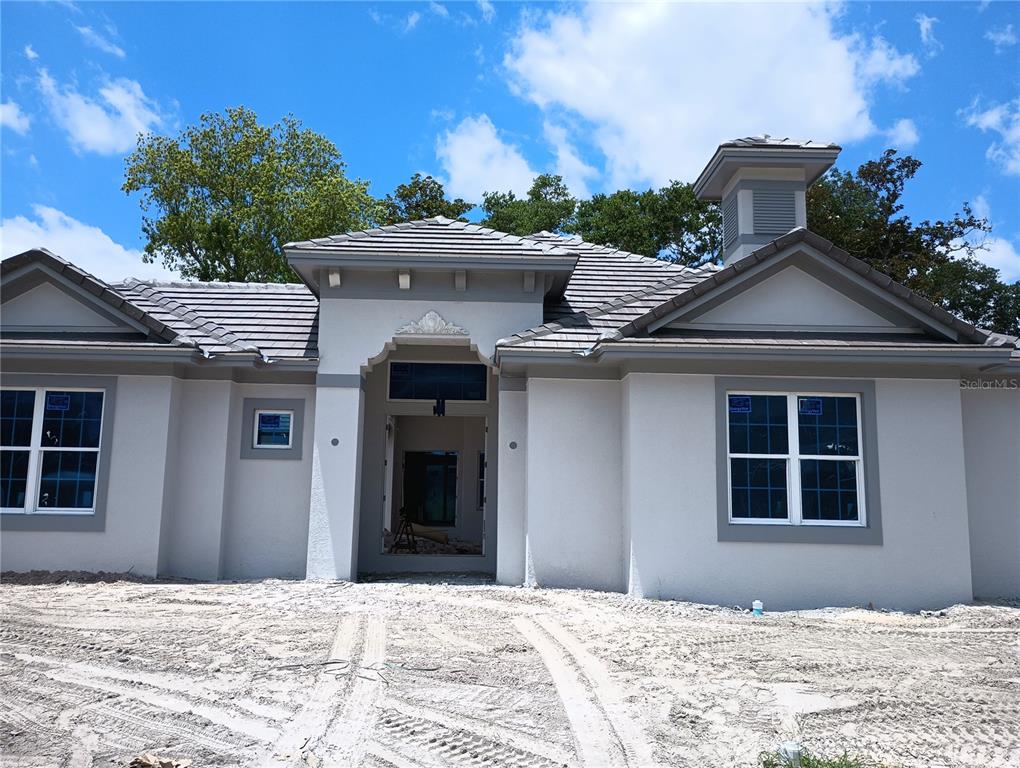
755	156
436	263
975	355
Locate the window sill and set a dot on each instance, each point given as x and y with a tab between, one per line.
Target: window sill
49	512
785	533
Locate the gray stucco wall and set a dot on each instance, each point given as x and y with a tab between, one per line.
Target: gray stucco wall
130	539
991	431
574	521
671	486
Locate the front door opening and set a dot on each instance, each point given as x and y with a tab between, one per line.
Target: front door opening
435	498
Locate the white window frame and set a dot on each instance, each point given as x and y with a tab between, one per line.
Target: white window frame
793	458
36	450
255	430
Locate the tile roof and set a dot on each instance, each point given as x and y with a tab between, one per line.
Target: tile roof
767	141
438	236
273	320
625	319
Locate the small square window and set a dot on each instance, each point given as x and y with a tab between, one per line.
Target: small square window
272	429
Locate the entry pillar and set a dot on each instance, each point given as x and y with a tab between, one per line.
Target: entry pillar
336	477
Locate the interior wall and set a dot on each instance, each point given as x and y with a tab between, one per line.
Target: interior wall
464	435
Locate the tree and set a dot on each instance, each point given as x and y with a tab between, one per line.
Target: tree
548	207
222	198
421	198
861	212
670	223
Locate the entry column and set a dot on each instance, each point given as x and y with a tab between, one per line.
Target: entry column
336	477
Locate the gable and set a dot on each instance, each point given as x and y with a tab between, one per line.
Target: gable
802	283
48	307
794	299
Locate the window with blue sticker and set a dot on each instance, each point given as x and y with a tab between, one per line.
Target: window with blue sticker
273	429
50	441
794	458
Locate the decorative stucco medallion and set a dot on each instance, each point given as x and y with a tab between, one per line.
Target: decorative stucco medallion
432	324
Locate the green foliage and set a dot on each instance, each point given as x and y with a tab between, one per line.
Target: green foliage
861	212
222	198
548	207
671	223
773	760
421	198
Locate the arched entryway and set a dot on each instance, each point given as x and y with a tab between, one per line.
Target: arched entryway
428	468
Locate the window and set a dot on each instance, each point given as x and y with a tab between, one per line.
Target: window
438	381
795	459
272	429
49	449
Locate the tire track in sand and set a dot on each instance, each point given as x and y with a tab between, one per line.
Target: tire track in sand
608	693
308	726
595	738
347	735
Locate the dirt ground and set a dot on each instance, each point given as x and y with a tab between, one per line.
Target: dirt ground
469	674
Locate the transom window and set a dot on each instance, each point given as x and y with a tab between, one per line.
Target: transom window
272	429
795	459
49	449
438	381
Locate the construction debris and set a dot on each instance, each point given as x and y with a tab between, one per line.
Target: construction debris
148	760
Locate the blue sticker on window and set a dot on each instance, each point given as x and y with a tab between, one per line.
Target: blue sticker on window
740	404
810	406
58	402
269	421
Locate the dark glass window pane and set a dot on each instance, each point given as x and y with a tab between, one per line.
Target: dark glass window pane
68	479
13	478
758	424
273	429
758	488
827	426
72	419
829	490
16	409
438	381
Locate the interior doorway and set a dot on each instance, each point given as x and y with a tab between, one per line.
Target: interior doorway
430	487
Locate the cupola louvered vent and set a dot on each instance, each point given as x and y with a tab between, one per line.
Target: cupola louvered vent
775	211
730	228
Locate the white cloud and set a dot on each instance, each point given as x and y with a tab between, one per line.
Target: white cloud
476	160
998	252
30	53
926	26
106	125
96	40
1003	119
575	172
883	63
655	118
83	245
411	21
439	9
1004	255
1001	37
903	134
12	117
488	10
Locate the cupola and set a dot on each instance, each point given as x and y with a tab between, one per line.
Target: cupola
760	182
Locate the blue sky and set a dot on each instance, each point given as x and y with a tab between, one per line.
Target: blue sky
485	95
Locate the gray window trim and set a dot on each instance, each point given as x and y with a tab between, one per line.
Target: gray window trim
871	533
252	404
76	522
